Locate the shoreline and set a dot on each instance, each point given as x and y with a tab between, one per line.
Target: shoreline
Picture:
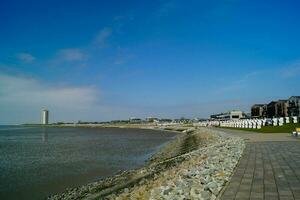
176	129
184	152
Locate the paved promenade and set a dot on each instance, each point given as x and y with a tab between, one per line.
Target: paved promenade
269	168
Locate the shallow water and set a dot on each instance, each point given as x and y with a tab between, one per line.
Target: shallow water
37	162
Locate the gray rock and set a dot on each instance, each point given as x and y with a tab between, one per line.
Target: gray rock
126	190
205	195
213	187
167	191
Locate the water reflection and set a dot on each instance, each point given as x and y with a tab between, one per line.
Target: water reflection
44	135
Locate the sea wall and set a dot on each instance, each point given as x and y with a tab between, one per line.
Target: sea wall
196	165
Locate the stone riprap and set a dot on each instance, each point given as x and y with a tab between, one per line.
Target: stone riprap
199	172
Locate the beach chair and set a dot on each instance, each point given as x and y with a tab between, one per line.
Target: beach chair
296	133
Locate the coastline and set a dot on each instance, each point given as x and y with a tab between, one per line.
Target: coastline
190	152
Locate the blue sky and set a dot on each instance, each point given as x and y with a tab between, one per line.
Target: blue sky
103	60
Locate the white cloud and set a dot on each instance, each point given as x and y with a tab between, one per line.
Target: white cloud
72	54
22	98
25	57
82	54
103	35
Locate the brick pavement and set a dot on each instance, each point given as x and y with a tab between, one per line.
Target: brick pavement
268	170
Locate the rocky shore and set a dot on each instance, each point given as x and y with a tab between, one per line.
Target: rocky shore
196	165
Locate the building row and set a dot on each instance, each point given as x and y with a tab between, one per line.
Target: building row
158	120
280	108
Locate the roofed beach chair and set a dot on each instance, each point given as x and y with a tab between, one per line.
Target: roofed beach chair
296	133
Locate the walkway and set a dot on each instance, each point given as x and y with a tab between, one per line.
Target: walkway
268	170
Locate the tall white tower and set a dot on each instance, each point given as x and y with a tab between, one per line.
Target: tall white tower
44	117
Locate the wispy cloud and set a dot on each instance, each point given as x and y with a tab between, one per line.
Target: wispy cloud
25	57
239	84
292	70
165	8
123	56
72	54
82	53
102	36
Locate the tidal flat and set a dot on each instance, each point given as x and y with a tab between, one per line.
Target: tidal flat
37	162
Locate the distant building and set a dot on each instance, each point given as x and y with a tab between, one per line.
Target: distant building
152	119
220	116
234	114
277	109
280	108
45	117
165	121
182	120
135	120
259	111
294	106
271	109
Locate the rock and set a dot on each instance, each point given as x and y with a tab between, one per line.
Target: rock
205	172
195	193
167	191
205	180
205	195
213	187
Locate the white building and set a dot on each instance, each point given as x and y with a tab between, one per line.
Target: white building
45	117
234	114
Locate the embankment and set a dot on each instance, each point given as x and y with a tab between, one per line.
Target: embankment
196	165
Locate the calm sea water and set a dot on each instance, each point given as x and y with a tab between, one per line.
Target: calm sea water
38	162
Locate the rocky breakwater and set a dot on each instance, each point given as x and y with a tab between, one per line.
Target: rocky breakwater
195	166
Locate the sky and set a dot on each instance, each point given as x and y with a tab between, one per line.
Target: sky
108	60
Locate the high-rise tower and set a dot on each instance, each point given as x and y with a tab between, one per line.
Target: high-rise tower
44	117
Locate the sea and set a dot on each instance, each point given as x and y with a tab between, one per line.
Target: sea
36	162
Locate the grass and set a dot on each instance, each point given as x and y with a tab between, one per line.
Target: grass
286	128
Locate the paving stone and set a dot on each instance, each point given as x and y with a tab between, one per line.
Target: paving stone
268	171
271	197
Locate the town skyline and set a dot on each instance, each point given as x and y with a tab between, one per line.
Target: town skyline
169	59
281	108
